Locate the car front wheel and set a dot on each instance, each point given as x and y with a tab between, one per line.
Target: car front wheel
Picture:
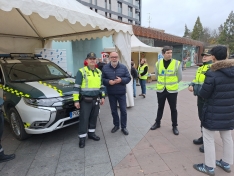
17	125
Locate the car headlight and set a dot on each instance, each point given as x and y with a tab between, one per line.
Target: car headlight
43	102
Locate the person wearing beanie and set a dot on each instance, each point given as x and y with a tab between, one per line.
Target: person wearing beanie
218	111
195	87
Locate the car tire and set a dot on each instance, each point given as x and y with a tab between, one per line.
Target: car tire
17	125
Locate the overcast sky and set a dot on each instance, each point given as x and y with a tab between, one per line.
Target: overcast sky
172	15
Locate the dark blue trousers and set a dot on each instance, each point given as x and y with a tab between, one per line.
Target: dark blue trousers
121	99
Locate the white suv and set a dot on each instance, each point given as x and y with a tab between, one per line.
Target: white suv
37	95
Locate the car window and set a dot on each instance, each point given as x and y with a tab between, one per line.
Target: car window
33	71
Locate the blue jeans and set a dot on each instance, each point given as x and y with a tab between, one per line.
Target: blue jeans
143	85
134	87
122	106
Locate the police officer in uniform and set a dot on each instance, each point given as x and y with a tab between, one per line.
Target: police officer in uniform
195	87
88	94
3	157
168	72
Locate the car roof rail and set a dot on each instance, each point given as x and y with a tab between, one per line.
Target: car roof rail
20	56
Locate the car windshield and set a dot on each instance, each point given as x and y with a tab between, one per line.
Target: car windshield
34	71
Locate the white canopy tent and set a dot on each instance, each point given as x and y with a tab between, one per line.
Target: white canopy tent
29	24
137	46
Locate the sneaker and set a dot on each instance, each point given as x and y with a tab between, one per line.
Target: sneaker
223	165
204	169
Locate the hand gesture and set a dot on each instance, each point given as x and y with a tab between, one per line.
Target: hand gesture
102	101
111	82
190	88
118	80
77	105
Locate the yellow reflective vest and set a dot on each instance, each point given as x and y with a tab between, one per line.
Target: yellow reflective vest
90	84
141	70
200	74
167	78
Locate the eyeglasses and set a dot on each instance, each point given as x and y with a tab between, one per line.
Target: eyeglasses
114	57
92	58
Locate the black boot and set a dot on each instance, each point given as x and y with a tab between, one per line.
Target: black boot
198	141
155	126
92	135
82	142
4	158
175	130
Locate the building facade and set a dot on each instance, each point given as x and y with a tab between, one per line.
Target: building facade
127	11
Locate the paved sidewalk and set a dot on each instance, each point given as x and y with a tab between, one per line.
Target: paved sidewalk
142	152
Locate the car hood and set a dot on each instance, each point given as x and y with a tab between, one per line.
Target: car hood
45	89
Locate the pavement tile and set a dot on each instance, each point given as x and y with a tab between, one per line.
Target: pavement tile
10	144
130	171
19	166
49	149
179	164
71	152
149	161
43	166
128	161
99	169
164	173
118	153
111	173
71	168
29	146
162	145
143	144
96	154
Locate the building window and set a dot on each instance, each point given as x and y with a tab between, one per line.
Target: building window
137	3
119	18
95	2
105	14
130	1
129	11
130	21
105	4
90	1
109	4
110	15
96	10
120	7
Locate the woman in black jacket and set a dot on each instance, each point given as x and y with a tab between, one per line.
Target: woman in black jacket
134	77
218	110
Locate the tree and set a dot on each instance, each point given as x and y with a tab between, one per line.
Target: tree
186	32
227	33
197	30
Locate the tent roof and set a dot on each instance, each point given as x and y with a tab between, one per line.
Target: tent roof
137	45
54	19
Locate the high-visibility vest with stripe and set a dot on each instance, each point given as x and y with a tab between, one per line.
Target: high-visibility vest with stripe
200	74
91	80
141	70
167	78
91	83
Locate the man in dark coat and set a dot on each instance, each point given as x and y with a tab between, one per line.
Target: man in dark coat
218	110
115	77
